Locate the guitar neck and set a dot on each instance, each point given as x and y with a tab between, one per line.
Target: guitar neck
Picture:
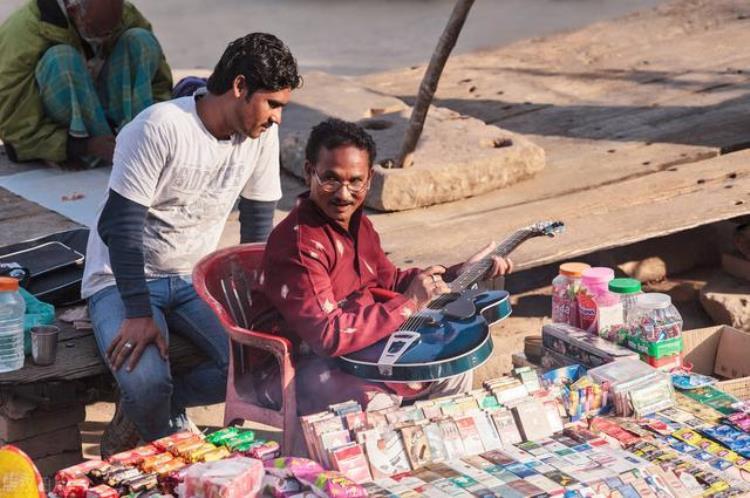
478	270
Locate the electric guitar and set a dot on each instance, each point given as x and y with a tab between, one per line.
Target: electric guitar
451	335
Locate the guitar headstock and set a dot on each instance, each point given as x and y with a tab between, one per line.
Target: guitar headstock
547	228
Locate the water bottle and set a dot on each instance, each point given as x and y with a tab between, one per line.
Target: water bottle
12	309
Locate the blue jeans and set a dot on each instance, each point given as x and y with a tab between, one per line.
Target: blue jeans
152	398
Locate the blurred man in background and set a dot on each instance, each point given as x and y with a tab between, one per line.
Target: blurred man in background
72	73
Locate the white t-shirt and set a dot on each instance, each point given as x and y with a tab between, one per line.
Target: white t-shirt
167	160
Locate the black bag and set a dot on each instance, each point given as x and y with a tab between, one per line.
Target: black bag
50	267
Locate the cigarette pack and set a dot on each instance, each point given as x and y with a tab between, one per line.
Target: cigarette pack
376	491
487	432
334	439
416	445
498	458
434	435
506	428
432	411
531	420
561	478
355	421
306	422
342	409
350	460
521	470
546	484
526	488
506	491
452	439
385	452
551	409
508	393
467	427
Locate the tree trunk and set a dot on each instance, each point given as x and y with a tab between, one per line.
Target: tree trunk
429	83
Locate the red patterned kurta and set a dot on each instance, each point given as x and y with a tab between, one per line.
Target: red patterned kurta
315	284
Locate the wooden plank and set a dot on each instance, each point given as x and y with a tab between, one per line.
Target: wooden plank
78	358
647	78
22	220
613	215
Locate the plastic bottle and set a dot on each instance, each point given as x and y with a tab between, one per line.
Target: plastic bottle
594	283
12	310
565	286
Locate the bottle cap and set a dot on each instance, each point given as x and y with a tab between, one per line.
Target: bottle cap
8	284
624	285
598	274
574	270
654	301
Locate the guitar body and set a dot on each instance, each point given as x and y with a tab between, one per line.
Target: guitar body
449	341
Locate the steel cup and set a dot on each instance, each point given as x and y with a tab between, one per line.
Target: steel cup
44	344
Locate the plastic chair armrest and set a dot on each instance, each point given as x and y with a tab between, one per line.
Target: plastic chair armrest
281	347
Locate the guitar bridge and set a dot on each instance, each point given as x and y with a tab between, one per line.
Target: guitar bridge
398	343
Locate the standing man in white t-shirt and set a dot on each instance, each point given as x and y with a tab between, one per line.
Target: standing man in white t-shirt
178	168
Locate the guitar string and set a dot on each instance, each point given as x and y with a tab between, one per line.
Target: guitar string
417	320
468	277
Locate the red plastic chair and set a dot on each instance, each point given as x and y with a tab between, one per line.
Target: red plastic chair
223	279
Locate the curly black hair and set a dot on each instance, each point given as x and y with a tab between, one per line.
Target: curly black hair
333	133
264	61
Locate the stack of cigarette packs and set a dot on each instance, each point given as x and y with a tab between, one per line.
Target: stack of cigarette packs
377	444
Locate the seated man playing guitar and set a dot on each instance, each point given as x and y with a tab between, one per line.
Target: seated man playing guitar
320	268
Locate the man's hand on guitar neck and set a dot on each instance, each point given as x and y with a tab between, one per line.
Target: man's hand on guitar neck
500	265
427	285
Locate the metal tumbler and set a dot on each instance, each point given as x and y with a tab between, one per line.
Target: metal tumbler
44	344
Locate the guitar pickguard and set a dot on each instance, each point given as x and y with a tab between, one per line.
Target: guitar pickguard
463	307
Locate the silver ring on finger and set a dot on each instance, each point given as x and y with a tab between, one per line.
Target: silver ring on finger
128	346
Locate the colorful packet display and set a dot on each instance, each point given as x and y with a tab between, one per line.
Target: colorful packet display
172	479
102	491
741	420
141	483
80	470
168	468
150	463
332	484
184	448
197	454
135	456
688	435
216	454
219	437
166	443
239	439
292	467
734	439
265	451
714	398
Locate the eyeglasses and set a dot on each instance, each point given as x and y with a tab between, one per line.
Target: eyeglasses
331	186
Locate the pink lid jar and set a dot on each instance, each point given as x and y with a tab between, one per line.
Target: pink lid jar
596	279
